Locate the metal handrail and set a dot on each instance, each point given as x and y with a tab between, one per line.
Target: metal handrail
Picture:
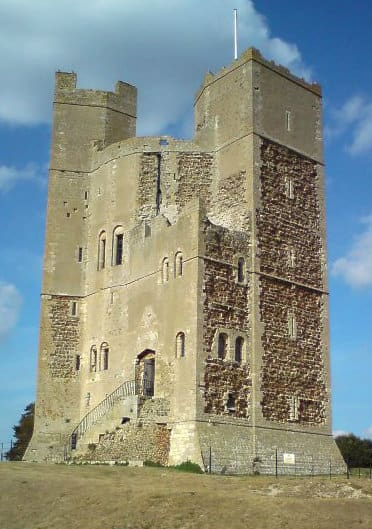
125	389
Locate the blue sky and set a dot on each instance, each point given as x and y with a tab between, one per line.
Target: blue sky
165	47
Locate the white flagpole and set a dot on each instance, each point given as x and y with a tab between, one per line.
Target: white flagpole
235	33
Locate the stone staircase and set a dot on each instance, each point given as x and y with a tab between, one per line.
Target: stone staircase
109	413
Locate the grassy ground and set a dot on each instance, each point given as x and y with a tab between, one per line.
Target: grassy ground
38	496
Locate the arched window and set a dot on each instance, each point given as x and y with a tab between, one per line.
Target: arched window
93	359
102	250
180	345
222	345
165	270
117	245
178	264
241	270
104	356
239	344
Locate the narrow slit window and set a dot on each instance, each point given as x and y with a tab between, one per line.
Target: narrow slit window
165	270
241	270
294	406
105	358
119	249
77	363
292	326
80	254
102	251
93	360
289	185
230	402
178	264
239	344
288	120
222	345
73	308
180	345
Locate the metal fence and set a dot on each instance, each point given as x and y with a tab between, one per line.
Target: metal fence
278	463
5	446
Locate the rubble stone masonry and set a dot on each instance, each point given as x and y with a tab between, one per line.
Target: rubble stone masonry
195	172
289	224
226	309
65	329
290	249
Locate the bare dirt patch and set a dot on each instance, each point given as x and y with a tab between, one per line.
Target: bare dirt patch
38	496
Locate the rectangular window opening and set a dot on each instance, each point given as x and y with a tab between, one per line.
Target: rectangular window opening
292	327
288	120
80	254
77	362
74	308
119	249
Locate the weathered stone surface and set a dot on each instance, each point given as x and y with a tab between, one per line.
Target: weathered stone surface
65	331
292	367
170	247
286	224
221	378
137	442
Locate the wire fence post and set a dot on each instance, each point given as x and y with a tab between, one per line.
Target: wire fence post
276	462
210	460
347	469
330	469
370	471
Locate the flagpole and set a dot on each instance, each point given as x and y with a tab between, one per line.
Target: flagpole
235	33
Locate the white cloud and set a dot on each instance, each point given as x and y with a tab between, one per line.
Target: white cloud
337	433
9	175
368	432
356	266
163	47
354	118
10	304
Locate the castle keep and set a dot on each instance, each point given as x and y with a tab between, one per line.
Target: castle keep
184	306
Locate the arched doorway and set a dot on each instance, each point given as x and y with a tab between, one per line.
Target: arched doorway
145	373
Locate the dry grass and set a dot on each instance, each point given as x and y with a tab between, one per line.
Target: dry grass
37	496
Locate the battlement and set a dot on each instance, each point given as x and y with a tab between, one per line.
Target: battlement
252	54
123	100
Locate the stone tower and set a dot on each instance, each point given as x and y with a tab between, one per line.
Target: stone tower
184	305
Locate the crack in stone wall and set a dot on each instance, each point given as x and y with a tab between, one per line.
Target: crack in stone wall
65	330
